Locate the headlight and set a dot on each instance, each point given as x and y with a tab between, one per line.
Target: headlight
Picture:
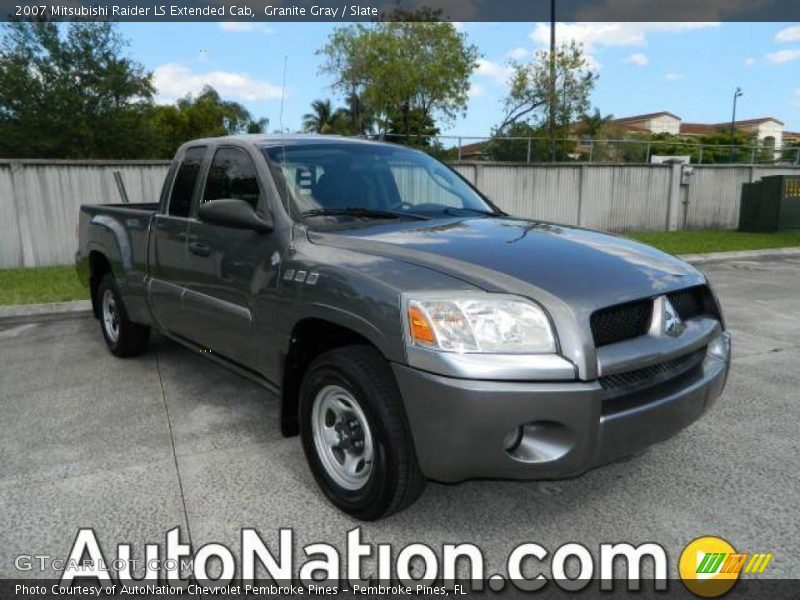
485	323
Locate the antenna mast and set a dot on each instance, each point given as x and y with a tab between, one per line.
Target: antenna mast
283	90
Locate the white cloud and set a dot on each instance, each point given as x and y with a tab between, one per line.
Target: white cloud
500	73
638	59
673	76
789	34
476	91
174	80
596	34
242	27
783	56
518	53
591	62
749	62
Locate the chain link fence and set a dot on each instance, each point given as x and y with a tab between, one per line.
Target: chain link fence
537	149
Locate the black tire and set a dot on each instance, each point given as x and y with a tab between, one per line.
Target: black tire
395	481
131	338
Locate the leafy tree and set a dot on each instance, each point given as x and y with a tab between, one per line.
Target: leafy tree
716	147
71	93
408	72
528	96
791	152
414	120
516	150
190	118
356	118
716	152
258	125
595	125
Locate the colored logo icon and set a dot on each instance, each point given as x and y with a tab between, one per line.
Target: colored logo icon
710	566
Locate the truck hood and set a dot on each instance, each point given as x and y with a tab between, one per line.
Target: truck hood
550	263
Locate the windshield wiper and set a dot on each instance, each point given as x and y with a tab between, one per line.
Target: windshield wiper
354	211
451	210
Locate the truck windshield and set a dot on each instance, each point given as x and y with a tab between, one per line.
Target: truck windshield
368	181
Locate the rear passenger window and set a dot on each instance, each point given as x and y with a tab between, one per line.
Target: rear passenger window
232	175
180	200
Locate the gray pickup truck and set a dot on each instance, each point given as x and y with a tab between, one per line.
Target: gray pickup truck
410	328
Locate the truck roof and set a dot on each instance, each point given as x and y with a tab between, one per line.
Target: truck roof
277	139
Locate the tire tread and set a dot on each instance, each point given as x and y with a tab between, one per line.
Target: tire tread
368	364
133	337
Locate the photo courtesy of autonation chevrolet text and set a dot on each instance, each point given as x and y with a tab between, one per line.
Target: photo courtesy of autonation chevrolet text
420	298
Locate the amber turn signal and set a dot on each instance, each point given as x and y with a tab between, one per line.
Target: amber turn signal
420	327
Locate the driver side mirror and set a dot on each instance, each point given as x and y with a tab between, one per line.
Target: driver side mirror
235	213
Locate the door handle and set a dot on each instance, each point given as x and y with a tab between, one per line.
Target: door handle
200	249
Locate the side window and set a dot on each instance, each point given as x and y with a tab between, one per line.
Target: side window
232	175
180	200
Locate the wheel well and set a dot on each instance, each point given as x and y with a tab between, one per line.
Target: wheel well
310	338
98	267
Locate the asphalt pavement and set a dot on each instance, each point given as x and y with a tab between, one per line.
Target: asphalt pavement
136	447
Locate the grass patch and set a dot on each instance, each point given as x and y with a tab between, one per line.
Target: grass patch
40	284
699	242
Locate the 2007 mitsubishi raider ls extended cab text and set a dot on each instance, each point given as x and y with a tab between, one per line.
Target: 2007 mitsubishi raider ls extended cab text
410	328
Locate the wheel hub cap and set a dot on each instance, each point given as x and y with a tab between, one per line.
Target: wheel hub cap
342	437
110	316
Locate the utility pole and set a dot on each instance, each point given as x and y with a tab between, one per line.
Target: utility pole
552	116
736	95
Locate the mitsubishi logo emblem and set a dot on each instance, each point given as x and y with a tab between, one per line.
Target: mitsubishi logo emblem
666	320
673	326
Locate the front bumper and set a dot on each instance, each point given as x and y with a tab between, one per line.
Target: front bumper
463	427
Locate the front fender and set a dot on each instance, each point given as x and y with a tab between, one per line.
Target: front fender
384	340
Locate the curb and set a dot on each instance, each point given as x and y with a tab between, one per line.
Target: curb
715	257
83	308
45	312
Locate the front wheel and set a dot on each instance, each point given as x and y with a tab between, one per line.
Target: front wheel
123	336
355	434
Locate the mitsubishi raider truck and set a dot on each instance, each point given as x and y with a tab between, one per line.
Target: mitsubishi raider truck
410	328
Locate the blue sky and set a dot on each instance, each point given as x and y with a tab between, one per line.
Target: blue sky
690	69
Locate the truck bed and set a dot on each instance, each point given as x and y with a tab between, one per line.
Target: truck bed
120	234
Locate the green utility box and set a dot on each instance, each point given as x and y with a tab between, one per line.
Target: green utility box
771	204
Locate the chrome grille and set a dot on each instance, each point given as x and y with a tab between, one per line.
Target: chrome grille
626	321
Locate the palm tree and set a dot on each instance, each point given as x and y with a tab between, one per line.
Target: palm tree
258	126
322	118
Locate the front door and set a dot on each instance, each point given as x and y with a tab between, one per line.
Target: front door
229	269
168	247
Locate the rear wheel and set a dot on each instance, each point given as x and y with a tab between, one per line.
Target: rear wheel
123	337
355	435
